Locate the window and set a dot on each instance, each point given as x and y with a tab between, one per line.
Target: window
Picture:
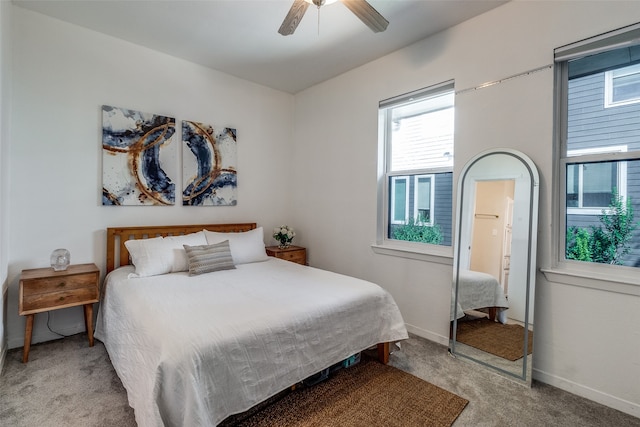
416	166
399	199
622	86
599	150
591	186
423	199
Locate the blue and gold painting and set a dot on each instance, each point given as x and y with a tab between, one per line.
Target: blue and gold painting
138	158
208	165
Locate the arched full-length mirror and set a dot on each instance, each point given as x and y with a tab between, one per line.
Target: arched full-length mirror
494	263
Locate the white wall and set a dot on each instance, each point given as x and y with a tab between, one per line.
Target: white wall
586	341
62	75
5	114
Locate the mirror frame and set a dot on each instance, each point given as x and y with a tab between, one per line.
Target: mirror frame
534	183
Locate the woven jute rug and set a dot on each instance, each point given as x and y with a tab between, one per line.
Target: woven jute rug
506	341
367	394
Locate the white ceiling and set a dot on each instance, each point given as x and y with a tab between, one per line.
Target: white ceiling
240	37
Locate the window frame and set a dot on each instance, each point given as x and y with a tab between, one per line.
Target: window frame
385	245
432	197
392	196
609	86
611	278
570	158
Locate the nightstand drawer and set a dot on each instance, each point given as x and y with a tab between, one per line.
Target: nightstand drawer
50	300
57	284
295	254
44	289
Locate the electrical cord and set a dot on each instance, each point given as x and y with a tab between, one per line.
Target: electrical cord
51	330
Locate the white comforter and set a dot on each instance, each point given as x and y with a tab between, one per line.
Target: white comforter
477	290
193	350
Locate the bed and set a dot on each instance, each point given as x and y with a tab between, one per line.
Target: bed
193	349
479	291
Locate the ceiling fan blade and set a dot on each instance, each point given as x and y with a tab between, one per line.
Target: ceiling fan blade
291	21
367	14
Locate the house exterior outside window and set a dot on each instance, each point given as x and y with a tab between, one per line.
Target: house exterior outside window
399	203
591	186
622	86
416	166
599	151
423	199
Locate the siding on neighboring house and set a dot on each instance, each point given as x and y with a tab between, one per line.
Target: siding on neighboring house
442	214
591	125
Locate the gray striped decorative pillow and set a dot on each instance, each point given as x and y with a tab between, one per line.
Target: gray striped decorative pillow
208	258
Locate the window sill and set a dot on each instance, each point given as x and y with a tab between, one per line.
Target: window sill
592	279
439	255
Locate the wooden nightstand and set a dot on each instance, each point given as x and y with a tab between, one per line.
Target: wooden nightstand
295	254
44	289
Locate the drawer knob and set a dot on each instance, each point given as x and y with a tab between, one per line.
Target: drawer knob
61	299
61	284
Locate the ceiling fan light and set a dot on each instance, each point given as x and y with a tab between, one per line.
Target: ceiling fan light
320	2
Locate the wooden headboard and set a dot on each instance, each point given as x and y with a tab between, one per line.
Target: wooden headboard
118	255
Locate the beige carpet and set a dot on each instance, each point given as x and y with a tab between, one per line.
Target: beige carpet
67	383
367	394
504	341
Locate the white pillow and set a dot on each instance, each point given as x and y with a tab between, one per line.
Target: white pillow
246	247
149	256
176	244
158	255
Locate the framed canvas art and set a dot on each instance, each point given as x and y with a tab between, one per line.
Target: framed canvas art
138	158
208	165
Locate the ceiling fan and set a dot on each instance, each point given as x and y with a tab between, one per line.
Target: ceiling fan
361	8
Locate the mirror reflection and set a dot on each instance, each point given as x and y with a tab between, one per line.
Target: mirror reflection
494	263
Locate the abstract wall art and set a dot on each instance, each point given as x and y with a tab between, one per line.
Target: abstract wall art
138	158
208	165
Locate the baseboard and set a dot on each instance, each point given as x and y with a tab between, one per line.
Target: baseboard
588	393
3	355
3	335
429	335
614	402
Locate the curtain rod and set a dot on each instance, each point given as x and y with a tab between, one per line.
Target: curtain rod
495	82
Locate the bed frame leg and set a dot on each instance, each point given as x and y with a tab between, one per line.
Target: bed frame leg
383	353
